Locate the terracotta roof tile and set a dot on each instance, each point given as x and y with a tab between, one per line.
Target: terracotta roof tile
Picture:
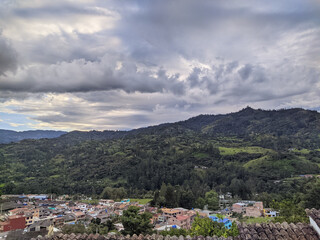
277	231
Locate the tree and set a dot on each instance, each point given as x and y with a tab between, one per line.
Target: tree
200	202
239	188
289	212
113	193
170	196
135	223
202	226
212	199
312	198
77	228
186	199
207	227
102	228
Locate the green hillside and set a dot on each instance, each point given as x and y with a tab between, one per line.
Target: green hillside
243	152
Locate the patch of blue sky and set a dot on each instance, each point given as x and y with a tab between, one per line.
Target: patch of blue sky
16	122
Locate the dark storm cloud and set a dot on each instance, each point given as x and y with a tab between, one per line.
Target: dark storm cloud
8	56
84	76
245	71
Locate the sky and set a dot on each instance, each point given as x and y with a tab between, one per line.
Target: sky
123	64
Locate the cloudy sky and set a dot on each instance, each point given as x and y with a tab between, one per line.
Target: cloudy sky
122	64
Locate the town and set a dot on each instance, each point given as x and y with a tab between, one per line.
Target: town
27	216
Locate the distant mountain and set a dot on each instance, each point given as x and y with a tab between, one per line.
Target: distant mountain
8	136
286	124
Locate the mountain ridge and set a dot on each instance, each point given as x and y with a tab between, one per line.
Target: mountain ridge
245	150
7	136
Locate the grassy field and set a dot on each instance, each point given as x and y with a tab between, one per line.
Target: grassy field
303	151
232	151
140	200
255	162
257	220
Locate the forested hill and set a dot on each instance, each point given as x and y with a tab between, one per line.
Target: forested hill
243	152
8	136
288	126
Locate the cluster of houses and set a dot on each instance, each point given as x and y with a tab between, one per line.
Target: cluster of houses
36	213
253	209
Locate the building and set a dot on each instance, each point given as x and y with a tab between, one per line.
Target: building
29	218
106	202
168	213
256	210
183	221
239	207
13	222
268	212
38	226
79	215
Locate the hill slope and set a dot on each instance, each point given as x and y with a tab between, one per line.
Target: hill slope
242	152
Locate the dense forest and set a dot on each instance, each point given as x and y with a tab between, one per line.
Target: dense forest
246	153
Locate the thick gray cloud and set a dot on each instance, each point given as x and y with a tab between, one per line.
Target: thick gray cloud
8	56
130	63
83	76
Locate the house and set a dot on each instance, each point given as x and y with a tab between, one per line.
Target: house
30	213
154	218
183	221
161	218
239	207
171	212
253	212
13	222
183	211
44	212
69	219
37	197
268	212
17	211
103	217
79	215
256	210
306	176
29	218
38	226
6	206
59	220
